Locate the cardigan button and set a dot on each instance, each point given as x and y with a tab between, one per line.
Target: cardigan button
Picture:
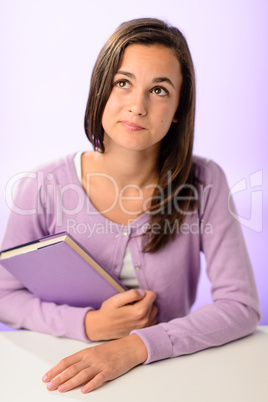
137	267
125	231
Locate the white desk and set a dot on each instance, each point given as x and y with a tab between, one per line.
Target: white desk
237	372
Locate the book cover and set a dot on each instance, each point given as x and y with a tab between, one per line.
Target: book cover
58	269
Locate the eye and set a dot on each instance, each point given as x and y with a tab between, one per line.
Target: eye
122	84
159	91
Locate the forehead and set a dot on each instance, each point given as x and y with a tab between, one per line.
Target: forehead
157	58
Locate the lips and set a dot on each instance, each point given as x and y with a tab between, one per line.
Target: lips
131	126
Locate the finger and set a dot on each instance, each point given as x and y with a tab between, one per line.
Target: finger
60	367
82	377
96	382
147	300
144	311
67	375
128	297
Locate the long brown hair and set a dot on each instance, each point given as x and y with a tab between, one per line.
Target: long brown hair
176	177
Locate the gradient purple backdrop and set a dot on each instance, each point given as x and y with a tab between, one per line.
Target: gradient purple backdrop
48	49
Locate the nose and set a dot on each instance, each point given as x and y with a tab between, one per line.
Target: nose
138	104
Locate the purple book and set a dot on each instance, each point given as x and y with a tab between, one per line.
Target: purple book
58	269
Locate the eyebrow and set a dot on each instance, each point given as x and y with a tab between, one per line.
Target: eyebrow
156	80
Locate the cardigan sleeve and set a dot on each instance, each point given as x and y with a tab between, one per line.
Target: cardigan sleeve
235	311
19	308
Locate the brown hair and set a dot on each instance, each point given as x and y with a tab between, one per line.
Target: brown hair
175	157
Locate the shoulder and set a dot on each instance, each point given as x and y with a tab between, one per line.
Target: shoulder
212	184
213	189
60	168
61	171
27	183
208	171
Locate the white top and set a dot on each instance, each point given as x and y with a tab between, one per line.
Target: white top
127	275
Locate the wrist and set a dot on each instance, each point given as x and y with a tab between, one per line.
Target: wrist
91	321
137	348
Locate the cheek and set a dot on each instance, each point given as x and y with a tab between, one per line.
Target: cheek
165	112
111	108
165	118
164	121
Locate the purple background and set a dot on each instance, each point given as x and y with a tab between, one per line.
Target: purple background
47	52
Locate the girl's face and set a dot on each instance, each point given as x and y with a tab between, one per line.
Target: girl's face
144	98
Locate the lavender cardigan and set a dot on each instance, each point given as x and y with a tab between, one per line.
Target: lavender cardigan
52	200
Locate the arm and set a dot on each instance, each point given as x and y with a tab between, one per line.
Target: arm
235	310
18	307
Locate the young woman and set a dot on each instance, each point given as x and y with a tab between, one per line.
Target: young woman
145	208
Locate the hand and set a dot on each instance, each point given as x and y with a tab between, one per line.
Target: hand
118	316
96	365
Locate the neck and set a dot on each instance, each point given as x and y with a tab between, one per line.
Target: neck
129	167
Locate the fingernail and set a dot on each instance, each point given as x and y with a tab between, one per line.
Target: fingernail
50	386
141	292
62	387
45	378
84	390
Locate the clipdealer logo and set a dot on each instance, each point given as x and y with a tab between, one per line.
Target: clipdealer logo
68	200
253	188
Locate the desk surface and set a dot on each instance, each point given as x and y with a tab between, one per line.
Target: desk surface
234	372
